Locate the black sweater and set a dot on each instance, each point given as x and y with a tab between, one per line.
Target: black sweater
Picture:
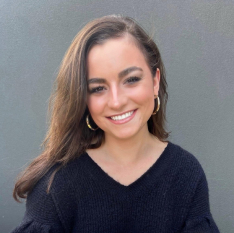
171	196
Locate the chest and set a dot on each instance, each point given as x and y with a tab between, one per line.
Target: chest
111	211
125	175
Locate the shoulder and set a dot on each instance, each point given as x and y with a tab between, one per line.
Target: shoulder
62	181
63	176
184	163
186	175
183	156
74	172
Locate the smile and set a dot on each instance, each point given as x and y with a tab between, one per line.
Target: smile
121	117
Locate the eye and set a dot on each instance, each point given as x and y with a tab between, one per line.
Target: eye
133	79
96	89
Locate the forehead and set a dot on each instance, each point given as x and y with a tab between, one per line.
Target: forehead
115	55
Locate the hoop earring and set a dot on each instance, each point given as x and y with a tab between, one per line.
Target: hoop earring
158	106
88	124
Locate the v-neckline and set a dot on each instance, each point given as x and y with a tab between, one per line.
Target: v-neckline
99	174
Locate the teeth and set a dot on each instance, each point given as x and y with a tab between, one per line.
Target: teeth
121	117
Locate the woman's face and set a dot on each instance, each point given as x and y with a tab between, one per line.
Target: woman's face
121	88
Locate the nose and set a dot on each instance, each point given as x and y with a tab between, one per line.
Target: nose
117	98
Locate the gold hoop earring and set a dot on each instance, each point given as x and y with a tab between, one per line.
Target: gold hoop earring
87	121
158	106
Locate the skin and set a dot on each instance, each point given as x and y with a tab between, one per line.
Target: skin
128	145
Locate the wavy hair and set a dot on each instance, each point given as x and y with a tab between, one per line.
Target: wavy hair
68	135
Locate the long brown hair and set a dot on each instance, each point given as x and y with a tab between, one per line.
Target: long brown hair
68	135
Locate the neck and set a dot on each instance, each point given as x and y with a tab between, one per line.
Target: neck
129	151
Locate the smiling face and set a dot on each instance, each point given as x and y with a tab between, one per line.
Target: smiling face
121	88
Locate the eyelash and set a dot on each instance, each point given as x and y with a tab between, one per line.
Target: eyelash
130	80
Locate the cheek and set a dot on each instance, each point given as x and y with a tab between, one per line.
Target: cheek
145	96
148	102
95	105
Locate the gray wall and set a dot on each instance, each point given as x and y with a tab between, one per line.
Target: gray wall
196	39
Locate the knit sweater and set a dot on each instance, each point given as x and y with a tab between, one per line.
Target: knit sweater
170	197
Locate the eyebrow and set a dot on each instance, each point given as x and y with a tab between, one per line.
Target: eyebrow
120	75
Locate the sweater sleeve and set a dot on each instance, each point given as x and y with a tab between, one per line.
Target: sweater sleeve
36	227
41	215
199	219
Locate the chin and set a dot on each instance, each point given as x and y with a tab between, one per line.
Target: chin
125	133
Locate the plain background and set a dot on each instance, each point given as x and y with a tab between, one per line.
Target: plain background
196	40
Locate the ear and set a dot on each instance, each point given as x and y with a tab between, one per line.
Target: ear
156	81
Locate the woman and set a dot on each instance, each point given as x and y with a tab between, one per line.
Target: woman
107	165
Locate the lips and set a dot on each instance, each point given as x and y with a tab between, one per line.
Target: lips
116	119
123	116
116	115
